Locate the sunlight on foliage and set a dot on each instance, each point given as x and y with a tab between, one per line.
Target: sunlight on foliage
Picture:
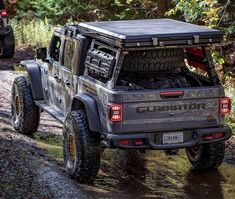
218	59
212	13
206	11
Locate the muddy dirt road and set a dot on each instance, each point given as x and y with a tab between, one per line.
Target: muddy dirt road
122	174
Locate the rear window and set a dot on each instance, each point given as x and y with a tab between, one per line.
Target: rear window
68	54
55	48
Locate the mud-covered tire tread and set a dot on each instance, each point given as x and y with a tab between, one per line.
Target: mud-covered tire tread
8	45
154	60
29	112
211	156
88	144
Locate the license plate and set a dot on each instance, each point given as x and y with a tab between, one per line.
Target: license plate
173	138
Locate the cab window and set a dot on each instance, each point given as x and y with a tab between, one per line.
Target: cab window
69	47
55	48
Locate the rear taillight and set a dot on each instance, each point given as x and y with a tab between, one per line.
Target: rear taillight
171	93
3	13
124	142
225	105
115	112
214	136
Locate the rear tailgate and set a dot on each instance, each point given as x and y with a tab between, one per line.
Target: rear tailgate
177	109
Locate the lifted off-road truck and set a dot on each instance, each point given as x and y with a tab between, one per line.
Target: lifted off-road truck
138	84
7	40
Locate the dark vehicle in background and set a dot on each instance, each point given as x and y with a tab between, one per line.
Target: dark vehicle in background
138	84
7	40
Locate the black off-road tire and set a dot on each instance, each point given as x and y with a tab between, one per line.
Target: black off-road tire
25	114
8	44
164	81
82	161
207	156
154	60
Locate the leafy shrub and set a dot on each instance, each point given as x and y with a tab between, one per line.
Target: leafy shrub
34	32
59	12
212	13
230	92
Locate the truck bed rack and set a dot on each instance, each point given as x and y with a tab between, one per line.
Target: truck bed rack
150	33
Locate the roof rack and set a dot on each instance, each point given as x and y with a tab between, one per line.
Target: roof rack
70	30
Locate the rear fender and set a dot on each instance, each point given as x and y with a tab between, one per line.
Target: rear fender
85	102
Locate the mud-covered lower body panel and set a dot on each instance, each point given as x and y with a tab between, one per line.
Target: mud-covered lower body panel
167	140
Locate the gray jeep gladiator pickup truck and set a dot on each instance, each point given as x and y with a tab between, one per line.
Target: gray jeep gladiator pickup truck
7	40
135	84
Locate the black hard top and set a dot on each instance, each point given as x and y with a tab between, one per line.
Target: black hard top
130	29
150	32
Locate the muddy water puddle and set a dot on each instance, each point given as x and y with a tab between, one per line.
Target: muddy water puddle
130	174
154	175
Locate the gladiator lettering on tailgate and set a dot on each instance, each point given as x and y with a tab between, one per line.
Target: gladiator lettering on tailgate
193	106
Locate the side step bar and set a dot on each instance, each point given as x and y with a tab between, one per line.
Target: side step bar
44	106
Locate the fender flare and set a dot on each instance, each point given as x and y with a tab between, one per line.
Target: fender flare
34	74
91	108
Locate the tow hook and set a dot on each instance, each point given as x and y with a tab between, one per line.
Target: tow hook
171	152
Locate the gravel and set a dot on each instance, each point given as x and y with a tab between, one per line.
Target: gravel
25	170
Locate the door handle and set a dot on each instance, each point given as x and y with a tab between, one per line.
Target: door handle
57	77
67	83
45	71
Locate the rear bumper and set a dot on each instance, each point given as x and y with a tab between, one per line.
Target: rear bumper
154	140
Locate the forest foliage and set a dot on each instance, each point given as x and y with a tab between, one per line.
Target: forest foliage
213	13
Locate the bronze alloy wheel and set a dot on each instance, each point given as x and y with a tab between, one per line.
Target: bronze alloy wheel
71	146
81	147
17	105
25	114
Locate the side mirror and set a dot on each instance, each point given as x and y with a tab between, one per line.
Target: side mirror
41	53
